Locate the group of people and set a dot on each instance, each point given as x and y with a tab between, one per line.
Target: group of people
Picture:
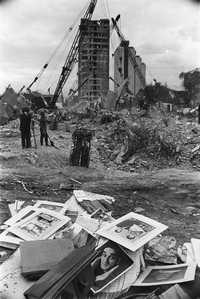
27	126
81	137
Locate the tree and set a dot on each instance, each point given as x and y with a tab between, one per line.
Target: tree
191	83
152	94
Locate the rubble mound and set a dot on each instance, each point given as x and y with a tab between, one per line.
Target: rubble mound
137	143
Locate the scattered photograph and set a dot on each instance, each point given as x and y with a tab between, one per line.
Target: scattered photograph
15	207
132	230
92	201
82	195
91	206
196	250
53	206
5	253
91	225
72	205
9	240
22	214
41	225
101	215
109	264
79	236
157	275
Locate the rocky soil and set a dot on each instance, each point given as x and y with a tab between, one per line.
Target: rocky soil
169	195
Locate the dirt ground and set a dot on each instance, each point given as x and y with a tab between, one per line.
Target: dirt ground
171	196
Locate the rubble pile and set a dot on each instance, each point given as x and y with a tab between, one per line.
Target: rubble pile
124	141
11	129
10	104
63	248
133	144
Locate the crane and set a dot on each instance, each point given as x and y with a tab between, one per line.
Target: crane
73	91
111	78
130	54
72	56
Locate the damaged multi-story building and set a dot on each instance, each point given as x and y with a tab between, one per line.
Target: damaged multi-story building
128	65
93	60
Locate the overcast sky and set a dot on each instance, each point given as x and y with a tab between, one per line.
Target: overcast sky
165	33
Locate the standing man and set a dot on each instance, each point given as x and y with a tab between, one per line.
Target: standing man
85	150
80	154
33	128
43	128
25	127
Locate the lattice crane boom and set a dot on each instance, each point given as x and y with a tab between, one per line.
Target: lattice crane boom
72	55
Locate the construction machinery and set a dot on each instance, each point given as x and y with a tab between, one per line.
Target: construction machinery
130	54
74	91
114	81
72	56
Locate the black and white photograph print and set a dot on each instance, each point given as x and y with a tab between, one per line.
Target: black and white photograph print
101	215
22	214
42	224
53	206
100	132
110	263
132	230
158	275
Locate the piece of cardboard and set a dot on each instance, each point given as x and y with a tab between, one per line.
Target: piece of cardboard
196	250
37	257
51	283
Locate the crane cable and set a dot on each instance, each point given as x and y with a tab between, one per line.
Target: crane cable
107	11
70	29
52	83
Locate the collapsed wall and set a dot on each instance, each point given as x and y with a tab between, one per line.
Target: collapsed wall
10	103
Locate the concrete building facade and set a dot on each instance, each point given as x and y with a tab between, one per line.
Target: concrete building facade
125	67
93	60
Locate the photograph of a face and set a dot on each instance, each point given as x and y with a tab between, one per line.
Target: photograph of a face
110	263
132	230
40	225
157	275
